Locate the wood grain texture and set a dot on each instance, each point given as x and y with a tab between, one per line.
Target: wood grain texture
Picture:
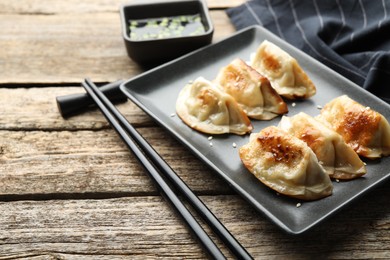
67	47
139	227
50	7
36	109
56	155
66	162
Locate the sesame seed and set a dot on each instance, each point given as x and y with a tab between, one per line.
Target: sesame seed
211	144
234	145
319	107
293	104
173	115
299	204
210	138
337	180
367	108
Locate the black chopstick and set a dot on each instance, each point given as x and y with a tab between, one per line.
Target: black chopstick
205	240
125	129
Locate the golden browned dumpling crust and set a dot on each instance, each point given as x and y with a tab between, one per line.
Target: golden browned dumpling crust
251	90
339	160
285	164
362	128
205	108
283	71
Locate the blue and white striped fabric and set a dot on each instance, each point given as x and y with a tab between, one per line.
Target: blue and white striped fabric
350	36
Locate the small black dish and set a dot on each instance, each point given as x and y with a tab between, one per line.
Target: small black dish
154	51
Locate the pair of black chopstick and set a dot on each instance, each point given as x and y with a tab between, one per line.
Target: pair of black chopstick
157	168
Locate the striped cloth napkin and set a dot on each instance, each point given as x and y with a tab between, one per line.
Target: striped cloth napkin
350	36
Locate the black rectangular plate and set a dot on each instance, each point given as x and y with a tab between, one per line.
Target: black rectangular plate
156	91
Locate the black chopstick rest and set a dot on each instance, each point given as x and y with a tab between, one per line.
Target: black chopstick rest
76	103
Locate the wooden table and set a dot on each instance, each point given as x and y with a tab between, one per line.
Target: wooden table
69	188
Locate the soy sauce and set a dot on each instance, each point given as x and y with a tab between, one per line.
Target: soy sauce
166	27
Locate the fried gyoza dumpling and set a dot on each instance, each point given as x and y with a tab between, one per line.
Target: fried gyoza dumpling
285	164
339	160
362	128
251	90
283	71
204	107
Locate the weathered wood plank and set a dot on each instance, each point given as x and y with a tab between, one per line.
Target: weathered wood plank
80	162
63	48
132	227
140	227
66	48
86	6
36	108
